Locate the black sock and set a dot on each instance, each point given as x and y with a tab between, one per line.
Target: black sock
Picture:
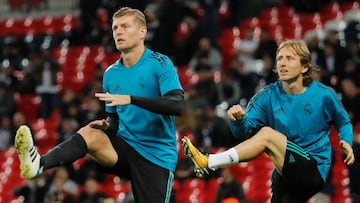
65	153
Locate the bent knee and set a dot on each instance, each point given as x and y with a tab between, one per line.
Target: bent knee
93	137
266	131
275	143
270	134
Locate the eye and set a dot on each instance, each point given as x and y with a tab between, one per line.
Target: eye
125	25
290	58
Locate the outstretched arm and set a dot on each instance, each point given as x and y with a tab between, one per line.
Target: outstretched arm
172	103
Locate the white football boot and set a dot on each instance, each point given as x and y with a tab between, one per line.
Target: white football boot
28	154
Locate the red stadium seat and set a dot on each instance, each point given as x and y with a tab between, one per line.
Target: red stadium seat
269	13
16	4
292	31
115	187
252	22
45	133
46	24
192	190
183	31
28	104
65	23
331	7
341	179
335	15
3	32
310	22
345	6
226	43
285	11
212	187
7	26
34	4
185	74
29	25
104	18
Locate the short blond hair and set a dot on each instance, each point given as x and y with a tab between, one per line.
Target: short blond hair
139	16
301	50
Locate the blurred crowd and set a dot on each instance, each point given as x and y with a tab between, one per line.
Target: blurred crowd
188	32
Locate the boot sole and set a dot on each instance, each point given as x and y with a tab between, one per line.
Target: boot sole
22	143
199	171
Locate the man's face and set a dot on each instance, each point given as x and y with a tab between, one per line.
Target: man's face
288	65
127	33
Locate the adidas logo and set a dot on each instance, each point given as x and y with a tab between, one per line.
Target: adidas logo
231	159
280	111
33	153
291	159
117	87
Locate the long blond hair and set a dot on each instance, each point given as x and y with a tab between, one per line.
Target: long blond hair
302	50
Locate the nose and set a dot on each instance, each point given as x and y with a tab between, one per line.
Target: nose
281	62
117	31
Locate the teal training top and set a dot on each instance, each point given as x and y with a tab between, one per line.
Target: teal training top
152	135
305	119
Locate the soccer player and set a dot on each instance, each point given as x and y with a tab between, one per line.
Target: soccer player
290	120
137	141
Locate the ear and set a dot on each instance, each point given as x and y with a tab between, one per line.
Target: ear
143	31
304	69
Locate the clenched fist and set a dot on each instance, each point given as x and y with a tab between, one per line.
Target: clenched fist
236	113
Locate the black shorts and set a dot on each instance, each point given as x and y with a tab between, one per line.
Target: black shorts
300	177
149	182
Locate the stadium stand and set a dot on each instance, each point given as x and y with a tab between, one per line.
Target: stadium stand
78	71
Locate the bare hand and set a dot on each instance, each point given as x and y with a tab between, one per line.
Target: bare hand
235	113
348	151
99	124
114	99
